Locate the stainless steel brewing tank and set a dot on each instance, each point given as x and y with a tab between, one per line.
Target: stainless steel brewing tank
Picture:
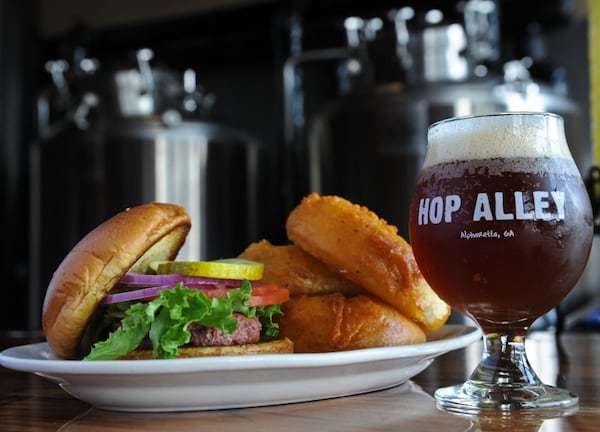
82	178
210	169
369	147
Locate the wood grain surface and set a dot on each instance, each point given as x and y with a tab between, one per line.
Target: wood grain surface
32	403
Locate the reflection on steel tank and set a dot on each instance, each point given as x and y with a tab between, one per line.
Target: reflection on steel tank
367	141
119	136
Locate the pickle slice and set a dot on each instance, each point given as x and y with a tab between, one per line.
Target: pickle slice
228	268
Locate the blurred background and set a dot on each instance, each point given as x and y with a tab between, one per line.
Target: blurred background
236	109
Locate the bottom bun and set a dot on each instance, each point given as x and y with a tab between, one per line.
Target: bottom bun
280	346
334	322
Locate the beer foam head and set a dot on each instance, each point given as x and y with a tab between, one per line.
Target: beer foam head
503	135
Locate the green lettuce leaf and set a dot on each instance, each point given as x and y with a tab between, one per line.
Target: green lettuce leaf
166	319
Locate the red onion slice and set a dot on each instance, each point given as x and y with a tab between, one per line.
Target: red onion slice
134	295
149	292
144	280
147	286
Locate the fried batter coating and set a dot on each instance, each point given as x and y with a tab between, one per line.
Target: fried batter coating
291	267
354	241
334	322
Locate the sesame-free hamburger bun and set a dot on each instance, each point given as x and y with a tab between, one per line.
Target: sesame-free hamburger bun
128	241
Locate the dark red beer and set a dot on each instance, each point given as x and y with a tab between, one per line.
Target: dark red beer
502	240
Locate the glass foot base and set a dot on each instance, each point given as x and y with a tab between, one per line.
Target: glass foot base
473	398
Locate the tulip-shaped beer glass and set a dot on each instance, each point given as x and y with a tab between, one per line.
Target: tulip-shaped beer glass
501	227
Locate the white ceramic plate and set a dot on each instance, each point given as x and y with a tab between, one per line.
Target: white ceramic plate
235	382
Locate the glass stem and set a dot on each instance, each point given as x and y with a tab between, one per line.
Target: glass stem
504	363
503	380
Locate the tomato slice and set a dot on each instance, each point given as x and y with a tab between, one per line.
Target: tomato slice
262	295
265	295
217	292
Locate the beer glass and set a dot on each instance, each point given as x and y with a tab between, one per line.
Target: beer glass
501	227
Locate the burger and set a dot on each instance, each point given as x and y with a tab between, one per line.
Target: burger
120	294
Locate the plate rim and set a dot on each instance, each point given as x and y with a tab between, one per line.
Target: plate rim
458	336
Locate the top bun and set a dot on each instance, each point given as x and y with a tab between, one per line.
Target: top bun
128	241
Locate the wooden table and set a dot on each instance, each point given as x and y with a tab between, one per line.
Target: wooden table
32	403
